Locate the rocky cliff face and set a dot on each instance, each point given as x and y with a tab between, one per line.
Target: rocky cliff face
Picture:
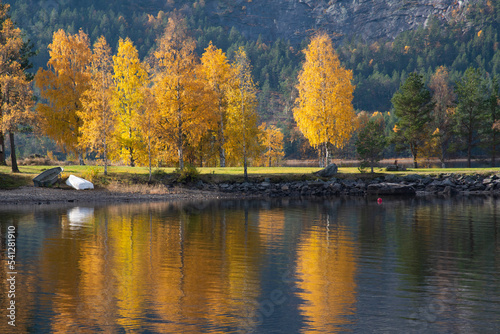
296	19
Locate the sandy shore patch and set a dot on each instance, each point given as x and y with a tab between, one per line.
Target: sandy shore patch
33	195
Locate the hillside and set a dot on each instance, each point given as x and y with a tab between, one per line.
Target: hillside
381	41
288	20
294	20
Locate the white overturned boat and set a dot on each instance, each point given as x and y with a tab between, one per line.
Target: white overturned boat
78	183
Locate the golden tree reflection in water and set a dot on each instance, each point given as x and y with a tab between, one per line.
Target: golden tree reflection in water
326	267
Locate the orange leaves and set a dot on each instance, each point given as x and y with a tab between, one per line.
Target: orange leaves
97	116
62	86
178	91
15	89
271	138
217	75
242	117
129	78
144	112
324	111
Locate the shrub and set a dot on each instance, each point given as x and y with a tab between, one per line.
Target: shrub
189	173
91	173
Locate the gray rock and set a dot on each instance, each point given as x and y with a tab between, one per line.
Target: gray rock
335	188
450	191
329	171
316	184
426	180
391	178
348	183
291	20
436	183
412	178
487	181
448	183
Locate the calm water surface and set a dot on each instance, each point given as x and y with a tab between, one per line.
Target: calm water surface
285	266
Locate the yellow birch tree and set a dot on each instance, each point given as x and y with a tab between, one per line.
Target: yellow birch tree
17	103
179	93
130	77
61	88
324	111
16	94
271	139
96	114
242	142
217	74
147	120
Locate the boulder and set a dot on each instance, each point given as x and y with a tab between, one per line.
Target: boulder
390	189
329	171
412	178
395	168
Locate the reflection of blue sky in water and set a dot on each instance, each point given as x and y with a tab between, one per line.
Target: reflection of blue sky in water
80	217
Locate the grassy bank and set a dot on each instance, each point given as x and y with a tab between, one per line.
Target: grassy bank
122	175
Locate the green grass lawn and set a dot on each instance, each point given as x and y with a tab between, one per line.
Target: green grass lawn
129	175
80	170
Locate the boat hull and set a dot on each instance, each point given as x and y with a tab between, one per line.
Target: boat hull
48	177
78	183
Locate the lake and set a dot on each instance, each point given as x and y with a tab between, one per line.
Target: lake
254	266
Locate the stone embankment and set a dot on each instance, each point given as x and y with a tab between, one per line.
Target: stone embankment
408	185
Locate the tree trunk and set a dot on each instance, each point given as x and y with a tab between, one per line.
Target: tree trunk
469	150
245	162
320	157
13	157
442	155
2	150
180	142
414	153
269	152
180	152
327	155
150	160
81	161
494	149
132	161
105	159
222	140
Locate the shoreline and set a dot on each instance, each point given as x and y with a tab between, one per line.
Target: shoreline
29	195
386	185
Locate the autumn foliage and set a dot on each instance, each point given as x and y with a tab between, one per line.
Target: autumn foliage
324	111
61	88
173	107
15	86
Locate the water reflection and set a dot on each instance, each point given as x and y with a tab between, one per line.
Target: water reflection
326	263
285	266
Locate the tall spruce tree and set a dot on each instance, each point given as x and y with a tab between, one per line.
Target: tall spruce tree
412	105
472	108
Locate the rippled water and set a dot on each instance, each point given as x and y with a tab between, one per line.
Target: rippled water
285	266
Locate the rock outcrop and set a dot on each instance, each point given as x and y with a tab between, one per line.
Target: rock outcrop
295	19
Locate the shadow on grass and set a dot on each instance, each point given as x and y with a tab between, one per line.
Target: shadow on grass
13	181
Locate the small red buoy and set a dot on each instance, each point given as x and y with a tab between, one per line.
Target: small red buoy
379	201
